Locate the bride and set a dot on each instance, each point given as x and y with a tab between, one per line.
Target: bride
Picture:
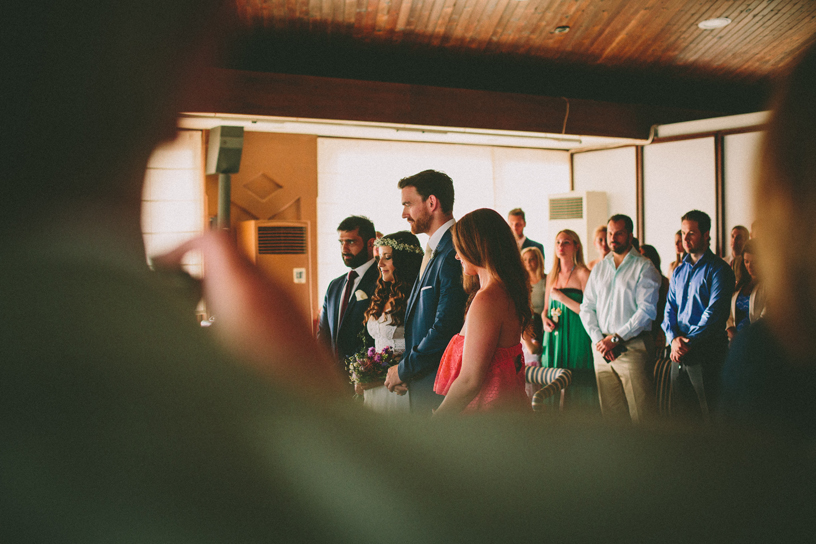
400	257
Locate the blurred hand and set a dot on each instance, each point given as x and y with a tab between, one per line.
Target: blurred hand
557	295
256	319
679	347
549	324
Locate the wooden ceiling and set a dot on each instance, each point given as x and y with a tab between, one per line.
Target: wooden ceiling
629	34
641	62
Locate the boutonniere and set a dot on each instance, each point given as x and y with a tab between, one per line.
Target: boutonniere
360	294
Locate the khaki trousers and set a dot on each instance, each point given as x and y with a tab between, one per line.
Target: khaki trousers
625	386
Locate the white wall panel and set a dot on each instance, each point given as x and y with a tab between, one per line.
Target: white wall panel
677	177
741	156
359	177
612	171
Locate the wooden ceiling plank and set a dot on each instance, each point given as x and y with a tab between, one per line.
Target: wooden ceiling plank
590	16
453	22
367	25
523	20
690	33
467	31
798	37
755	33
541	35
617	48
442	22
428	19
659	24
505	27
490	24
746	31
407	30
381	19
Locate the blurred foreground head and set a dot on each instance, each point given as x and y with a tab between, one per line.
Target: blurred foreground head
89	88
785	199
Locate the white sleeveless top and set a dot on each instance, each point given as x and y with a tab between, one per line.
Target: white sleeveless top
386	335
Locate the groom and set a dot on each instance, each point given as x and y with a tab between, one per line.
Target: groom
436	306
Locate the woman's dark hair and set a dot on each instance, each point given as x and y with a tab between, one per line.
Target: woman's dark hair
743	277
406	270
483	238
651	253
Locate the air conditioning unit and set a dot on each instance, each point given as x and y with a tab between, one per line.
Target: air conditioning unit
282	251
579	211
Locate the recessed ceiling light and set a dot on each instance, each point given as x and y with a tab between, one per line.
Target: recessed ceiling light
561	29
711	24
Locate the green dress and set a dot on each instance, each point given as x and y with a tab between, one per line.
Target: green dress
569	346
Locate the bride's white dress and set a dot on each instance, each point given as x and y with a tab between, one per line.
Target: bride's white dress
386	335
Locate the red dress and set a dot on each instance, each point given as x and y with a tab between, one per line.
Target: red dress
503	386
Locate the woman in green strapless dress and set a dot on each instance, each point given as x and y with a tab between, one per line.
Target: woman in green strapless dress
566	344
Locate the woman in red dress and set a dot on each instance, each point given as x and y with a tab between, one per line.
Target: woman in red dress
482	367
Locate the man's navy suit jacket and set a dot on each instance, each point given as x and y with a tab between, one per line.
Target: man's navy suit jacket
344	340
434	314
531	243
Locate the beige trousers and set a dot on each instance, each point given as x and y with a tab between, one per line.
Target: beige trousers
625	386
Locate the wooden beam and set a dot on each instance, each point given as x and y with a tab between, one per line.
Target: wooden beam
260	93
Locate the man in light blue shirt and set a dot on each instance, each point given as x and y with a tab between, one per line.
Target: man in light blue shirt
697	309
620	303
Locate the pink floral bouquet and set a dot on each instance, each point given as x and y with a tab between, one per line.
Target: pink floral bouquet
369	365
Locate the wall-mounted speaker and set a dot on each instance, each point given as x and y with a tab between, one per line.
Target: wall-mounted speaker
224	151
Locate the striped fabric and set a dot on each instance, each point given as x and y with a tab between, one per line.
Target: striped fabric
662	381
554	380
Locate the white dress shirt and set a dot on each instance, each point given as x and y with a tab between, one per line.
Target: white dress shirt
361	270
620	300
433	241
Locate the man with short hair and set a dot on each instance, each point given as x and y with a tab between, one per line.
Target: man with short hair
518	221
697	309
348	297
619	305
436	306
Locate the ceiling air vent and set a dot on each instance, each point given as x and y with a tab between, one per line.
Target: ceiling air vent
281	240
567	208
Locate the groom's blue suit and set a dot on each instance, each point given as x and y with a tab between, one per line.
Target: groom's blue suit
434	314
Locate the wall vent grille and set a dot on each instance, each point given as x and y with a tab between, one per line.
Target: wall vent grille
567	208
281	240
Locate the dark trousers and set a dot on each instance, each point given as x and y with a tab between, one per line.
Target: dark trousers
695	382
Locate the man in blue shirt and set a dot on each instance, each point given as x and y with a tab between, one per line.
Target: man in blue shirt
697	309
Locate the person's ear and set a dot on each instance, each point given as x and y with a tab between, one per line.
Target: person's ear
371	247
433	202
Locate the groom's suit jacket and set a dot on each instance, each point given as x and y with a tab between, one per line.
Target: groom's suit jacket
435	312
344	340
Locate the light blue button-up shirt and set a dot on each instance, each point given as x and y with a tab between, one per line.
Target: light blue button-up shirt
620	300
699	300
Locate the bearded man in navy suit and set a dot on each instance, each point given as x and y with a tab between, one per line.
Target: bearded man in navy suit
348	297
436	305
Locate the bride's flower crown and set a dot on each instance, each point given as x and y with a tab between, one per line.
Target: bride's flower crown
398	246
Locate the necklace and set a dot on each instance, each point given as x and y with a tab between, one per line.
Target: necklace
568	278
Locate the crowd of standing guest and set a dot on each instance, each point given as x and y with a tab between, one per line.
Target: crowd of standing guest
464	314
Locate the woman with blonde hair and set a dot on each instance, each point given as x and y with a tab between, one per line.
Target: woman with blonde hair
481	368
599	240
679	252
533	261
566	343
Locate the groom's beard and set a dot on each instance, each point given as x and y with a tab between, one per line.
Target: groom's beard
353	261
421	224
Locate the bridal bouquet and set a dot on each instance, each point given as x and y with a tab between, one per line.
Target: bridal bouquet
370	365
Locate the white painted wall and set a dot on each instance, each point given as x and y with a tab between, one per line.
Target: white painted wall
173	198
359	177
677	177
741	162
612	171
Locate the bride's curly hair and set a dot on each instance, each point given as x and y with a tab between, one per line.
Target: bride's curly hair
406	269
